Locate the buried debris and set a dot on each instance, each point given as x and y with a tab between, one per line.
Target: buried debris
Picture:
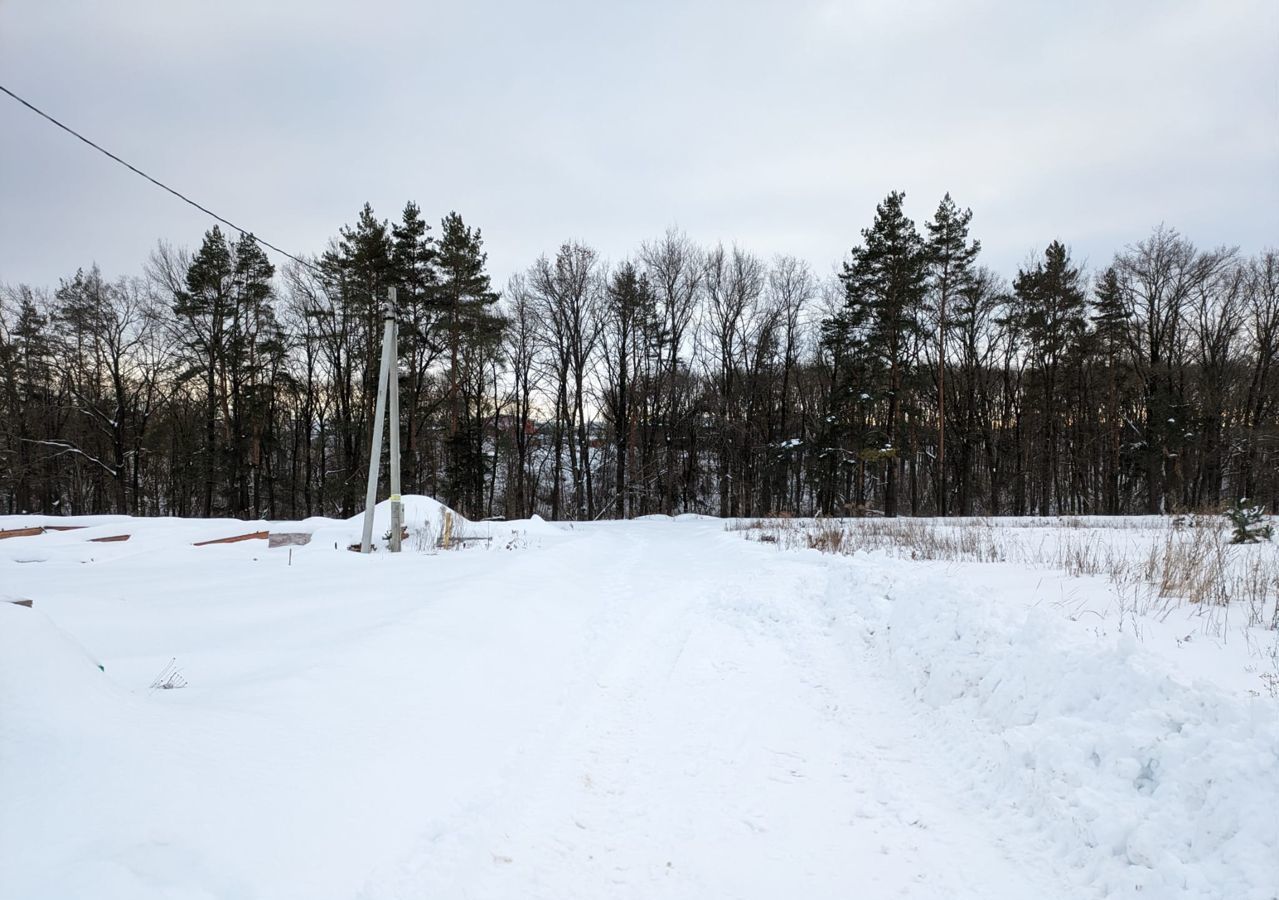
404	536
21	532
170	677
35	530
252	536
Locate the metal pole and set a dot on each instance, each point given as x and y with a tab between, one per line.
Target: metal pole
393	377
375	453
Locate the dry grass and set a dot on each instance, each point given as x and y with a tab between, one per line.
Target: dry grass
1153	564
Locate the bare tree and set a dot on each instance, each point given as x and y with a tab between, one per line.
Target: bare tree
568	293
674	266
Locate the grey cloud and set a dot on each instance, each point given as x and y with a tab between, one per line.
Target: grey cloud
775	125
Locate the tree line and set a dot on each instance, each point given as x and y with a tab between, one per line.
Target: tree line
686	378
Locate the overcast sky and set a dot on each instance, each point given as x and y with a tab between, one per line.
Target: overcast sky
775	125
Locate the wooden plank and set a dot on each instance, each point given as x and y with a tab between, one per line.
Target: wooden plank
251	536
110	539
63	527
26	603
21	532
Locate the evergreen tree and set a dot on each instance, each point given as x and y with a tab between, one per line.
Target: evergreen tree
1110	325
360	268
884	284
843	437
255	355
1248	523
417	279
950	259
205	310
30	367
472	327
1049	310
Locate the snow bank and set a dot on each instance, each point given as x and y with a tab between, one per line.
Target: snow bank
57	710
167	536
536	526
42	669
419	510
1138	781
422	515
424	518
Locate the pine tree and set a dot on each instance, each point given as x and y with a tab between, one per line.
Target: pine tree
362	263
360	269
205	309
845	424
1248	523
884	283
31	353
1110	322
950	259
1049	310
472	327
255	354
417	281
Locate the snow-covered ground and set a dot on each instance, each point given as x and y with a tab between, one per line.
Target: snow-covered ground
657	708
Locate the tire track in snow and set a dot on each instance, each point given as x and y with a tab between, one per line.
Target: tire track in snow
717	742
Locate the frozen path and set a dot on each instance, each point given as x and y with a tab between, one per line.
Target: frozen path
722	745
650	709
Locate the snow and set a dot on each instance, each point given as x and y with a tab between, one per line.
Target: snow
1139	778
656	708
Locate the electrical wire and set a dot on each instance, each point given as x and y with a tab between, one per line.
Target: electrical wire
183	197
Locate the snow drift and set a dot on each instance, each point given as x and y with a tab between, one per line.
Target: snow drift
1141	782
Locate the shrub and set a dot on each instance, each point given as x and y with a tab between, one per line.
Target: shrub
1249	523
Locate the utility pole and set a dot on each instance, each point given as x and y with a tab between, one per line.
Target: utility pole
393	380
388	378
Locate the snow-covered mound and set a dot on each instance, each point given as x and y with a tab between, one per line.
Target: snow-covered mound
98	538
534	527
44	672
419	511
1141	782
425	519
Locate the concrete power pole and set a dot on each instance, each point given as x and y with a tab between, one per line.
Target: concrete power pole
388	378
393	380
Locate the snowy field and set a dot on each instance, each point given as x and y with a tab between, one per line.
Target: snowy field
679	708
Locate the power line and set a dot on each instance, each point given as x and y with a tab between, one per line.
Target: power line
183	197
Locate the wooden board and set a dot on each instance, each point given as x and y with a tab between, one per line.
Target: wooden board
251	536
21	532
110	539
36	529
